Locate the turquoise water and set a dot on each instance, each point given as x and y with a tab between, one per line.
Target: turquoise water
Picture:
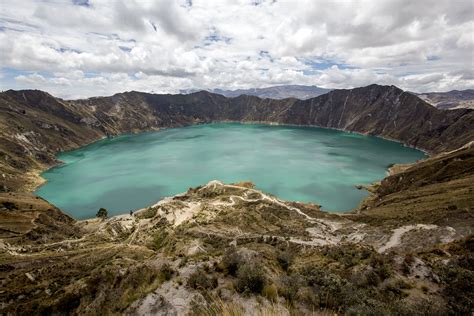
294	163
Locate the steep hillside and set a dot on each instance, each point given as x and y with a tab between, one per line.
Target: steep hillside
27	219
435	191
35	125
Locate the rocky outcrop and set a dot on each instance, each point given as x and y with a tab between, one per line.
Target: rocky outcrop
36	125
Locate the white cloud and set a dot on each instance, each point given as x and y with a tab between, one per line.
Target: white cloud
34	79
165	46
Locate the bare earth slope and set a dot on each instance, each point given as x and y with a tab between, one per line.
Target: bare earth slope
35	125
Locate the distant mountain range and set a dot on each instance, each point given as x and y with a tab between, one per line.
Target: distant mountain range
274	92
455	99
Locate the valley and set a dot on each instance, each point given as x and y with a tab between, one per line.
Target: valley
236	158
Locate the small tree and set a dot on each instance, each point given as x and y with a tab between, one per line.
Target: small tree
102	213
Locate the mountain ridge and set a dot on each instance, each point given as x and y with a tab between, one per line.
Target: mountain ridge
454	99
38	125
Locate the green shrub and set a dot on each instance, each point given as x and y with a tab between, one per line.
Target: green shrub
424	288
285	259
251	278
159	241
396	286
148	213
289	286
420	307
231	261
329	289
199	280
380	265
369	308
364	276
407	263
270	292
348	254
183	262
166	272
459	289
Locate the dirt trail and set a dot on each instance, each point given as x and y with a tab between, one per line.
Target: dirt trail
398	233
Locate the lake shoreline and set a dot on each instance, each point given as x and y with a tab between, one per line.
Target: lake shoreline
262	124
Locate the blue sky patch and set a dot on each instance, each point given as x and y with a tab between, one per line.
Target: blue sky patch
84	3
125	49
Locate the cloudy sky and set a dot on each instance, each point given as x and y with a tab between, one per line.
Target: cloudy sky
83	48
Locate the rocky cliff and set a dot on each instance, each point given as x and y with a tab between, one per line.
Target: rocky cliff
36	125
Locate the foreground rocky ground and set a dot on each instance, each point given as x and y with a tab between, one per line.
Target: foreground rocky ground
231	249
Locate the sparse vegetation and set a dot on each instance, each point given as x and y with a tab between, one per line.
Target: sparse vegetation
285	258
166	272
289	286
201	280
148	213
251	278
215	306
159	241
231	261
223	267
270	291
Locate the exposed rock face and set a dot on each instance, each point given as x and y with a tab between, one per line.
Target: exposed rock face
35	125
456	99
